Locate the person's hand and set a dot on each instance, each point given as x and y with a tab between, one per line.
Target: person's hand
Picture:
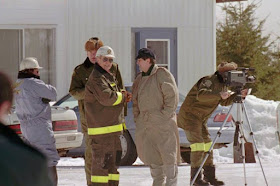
45	100
128	97
244	93
224	95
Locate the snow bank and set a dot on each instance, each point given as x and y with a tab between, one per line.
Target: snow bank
262	116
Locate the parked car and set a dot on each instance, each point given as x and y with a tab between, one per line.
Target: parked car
129	153
65	126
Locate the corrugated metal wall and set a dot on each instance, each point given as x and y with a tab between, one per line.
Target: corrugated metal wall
112	20
76	21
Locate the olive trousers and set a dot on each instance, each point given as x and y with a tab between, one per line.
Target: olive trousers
200	141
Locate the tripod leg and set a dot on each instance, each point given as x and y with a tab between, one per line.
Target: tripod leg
254	141
212	146
239	123
243	151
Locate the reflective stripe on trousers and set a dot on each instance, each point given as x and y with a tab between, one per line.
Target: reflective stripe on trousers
105	179
200	147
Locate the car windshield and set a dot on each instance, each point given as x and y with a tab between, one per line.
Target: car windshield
69	102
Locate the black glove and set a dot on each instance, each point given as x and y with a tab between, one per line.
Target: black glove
45	100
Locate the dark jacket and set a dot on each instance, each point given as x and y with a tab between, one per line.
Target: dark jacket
104	102
21	164
79	79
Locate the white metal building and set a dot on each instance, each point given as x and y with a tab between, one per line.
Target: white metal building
181	32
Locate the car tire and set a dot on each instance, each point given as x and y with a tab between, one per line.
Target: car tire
129	153
186	156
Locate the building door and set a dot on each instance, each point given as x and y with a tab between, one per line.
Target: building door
163	42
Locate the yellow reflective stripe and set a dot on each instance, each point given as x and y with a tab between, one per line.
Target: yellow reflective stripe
114	177
119	99
105	130
99	179
113	84
207	146
124	126
197	147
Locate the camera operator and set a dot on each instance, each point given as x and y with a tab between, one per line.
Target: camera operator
201	101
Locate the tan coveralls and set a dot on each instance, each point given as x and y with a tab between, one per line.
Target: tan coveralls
155	99
104	106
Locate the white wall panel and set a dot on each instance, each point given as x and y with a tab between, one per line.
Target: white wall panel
112	21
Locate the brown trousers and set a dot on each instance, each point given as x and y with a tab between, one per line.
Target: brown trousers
106	157
88	158
199	134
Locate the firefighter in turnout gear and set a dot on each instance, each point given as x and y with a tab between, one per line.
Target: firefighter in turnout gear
104	106
77	90
201	101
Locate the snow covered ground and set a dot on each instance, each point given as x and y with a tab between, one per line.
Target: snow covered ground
231	174
262	116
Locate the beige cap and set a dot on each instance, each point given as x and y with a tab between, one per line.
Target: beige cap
225	66
105	51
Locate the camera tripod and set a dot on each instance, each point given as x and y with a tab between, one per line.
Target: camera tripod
241	109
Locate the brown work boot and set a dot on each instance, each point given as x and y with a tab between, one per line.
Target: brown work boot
198	181
210	175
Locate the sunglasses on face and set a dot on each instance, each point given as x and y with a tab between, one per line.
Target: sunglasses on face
105	59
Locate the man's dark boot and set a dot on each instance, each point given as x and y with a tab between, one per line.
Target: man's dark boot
210	175
198	180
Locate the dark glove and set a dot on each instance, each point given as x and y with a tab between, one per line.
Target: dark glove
45	100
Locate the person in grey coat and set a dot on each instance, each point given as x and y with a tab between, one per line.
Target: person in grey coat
32	99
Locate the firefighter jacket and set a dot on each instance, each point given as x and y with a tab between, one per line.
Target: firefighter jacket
104	103
155	99
20	163
79	79
202	100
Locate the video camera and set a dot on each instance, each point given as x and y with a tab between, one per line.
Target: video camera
239	77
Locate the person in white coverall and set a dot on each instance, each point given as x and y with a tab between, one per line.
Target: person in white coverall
155	99
32	99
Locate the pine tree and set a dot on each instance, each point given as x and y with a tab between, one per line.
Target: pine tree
240	39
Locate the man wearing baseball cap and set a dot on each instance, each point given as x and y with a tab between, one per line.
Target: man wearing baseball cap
155	99
201	101
104	109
